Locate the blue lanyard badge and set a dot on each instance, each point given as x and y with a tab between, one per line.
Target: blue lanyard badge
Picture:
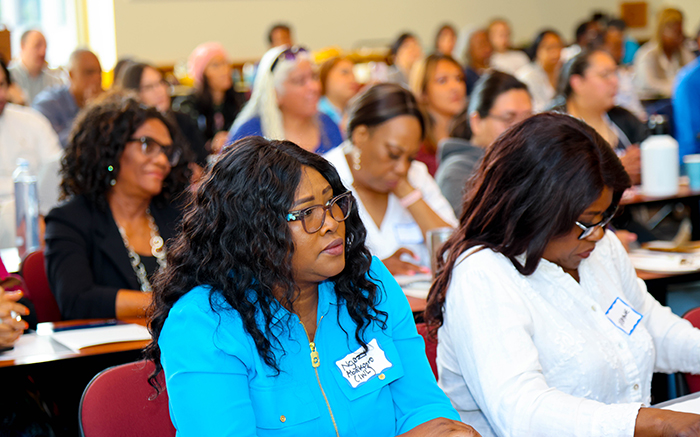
623	316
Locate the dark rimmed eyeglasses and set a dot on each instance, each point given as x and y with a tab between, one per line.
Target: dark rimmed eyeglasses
289	54
313	217
151	148
588	230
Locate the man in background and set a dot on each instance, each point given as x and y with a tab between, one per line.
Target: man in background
61	104
280	34
24	133
30	72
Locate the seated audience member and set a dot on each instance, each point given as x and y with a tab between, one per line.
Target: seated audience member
404	52
62	104
498	102
686	109
544	327
284	103
397	198
697	43
588	36
542	73
438	84
215	103
445	39
627	96
153	90
587	91
658	61
121	173
24	133
478	55
504	58
30	72
280	34
247	319
338	86
118	69
615	31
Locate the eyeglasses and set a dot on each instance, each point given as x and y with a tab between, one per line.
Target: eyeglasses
313	217
289	54
152	148
511	119
588	230
152	86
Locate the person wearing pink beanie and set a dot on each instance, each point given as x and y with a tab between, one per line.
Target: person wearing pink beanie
214	103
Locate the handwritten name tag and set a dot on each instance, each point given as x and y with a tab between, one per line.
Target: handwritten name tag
623	316
359	367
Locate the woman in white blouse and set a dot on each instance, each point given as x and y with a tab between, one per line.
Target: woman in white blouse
544	328
541	75
397	198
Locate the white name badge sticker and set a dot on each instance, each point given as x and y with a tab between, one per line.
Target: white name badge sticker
359	367
408	233
623	316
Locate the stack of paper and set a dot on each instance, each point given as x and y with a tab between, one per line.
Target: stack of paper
77	339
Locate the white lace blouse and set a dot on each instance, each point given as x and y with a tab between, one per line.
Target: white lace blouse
537	355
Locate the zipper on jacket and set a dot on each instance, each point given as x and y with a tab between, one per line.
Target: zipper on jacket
315	363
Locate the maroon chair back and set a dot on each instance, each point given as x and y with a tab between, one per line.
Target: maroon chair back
693	316
430	347
33	271
120	402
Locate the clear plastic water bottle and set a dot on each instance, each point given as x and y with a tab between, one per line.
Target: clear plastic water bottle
27	209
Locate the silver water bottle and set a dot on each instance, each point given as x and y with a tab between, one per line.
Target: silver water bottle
27	209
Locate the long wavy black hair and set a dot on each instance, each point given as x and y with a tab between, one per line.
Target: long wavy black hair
532	185
96	143
235	239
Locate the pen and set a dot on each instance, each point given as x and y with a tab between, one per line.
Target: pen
89	325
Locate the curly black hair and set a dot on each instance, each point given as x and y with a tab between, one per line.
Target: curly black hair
97	141
236	240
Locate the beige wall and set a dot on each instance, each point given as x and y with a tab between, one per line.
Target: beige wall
165	31
691	10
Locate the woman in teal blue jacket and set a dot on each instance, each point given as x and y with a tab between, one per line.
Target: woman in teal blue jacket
273	319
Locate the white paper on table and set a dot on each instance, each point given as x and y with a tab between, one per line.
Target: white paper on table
406	280
689	406
416	285
663	262
77	339
33	346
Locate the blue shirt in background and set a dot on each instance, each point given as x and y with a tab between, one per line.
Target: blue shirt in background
686	109
325	106
60	108
330	133
219	385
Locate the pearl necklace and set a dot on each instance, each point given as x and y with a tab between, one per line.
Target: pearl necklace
157	250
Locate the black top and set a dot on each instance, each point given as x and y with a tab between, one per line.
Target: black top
208	118
86	261
194	137
629	124
471	77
